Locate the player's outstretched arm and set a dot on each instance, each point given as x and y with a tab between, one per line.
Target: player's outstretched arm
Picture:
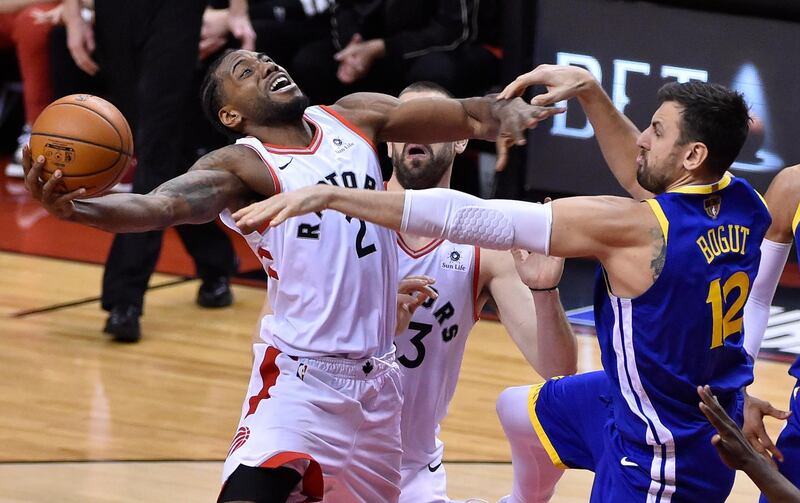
615	133
523	287
583	226
738	454
439	119
197	196
383	208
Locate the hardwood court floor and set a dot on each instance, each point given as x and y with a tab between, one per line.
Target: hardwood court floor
86	420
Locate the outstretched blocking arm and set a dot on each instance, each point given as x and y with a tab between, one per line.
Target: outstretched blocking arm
197	196
438	119
615	133
582	226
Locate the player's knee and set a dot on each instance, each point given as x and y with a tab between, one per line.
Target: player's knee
512	409
249	484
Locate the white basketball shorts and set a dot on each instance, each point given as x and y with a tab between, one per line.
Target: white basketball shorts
426	484
336	421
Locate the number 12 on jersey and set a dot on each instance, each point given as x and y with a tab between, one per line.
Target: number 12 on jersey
727	322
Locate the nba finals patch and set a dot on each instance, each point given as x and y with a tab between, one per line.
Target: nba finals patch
711	205
453	262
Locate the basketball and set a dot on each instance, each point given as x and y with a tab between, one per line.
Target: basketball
87	138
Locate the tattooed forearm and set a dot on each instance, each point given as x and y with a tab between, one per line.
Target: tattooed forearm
197	196
659	252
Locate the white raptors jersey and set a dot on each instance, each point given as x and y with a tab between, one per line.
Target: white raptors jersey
430	351
332	279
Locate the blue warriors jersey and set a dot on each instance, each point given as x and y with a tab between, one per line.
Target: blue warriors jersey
794	371
686	330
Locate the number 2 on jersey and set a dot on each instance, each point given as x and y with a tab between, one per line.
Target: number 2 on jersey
729	322
362	250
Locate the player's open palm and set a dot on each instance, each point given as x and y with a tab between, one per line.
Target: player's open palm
275	210
562	82
753	428
49	193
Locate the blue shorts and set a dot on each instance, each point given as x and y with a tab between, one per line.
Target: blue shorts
575	421
789	442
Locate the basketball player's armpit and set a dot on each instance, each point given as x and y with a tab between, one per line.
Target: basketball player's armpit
659	252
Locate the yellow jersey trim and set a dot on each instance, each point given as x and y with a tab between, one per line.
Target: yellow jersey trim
796	219
705	189
662	218
537	426
762	199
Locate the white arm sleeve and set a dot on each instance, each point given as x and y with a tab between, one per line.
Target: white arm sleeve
499	224
756	311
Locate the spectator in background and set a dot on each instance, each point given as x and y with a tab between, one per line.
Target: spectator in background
146	55
71	79
24	27
384	45
281	27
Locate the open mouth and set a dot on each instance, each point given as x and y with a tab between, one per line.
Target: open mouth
415	151
280	83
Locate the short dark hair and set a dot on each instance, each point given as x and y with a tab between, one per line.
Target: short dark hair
712	114
211	96
425	85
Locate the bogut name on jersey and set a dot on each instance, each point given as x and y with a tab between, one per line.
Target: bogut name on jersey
723	239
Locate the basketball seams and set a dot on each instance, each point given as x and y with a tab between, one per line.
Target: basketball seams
119	153
99	190
119	135
80	140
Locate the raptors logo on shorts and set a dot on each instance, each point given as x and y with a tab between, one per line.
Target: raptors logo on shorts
242	434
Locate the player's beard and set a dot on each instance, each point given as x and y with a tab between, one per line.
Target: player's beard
417	174
268	112
656	178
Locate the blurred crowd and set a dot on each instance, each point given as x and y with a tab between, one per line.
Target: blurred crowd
331	48
148	57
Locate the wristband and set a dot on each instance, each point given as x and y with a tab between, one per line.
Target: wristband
543	289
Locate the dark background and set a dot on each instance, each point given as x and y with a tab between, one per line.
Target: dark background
753	46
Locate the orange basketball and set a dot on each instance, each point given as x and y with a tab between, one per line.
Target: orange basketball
85	137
